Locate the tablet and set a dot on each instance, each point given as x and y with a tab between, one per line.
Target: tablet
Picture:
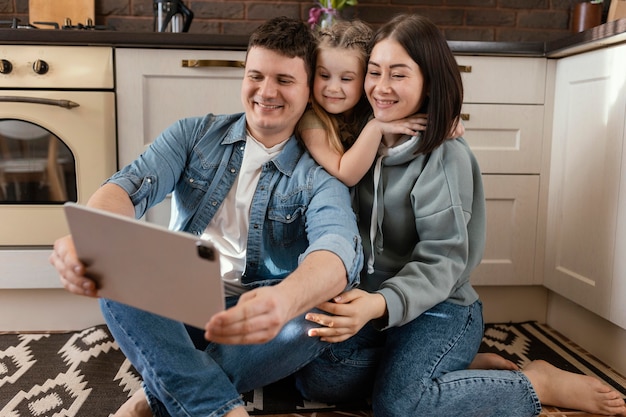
173	274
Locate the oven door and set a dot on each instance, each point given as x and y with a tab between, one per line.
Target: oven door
51	151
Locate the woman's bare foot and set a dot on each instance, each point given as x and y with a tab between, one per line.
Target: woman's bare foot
560	388
136	406
492	361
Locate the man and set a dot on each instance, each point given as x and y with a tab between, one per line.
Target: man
284	226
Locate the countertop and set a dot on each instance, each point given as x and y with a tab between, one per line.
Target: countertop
604	35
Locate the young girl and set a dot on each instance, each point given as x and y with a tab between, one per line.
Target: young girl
336	130
410	334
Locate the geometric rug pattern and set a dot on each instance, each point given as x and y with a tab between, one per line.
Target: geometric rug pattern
84	373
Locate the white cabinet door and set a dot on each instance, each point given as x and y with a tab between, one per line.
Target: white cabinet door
496	80
154	89
584	191
617	313
511	230
506	138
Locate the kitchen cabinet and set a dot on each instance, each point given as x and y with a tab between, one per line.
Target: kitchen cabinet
504	100
503	111
586	228
156	87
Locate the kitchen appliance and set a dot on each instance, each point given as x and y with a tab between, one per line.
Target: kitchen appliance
171	16
57	144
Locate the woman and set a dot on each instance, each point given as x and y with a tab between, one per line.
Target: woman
410	333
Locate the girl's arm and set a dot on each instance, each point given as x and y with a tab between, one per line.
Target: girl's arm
354	163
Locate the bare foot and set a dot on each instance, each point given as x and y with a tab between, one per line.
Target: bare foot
560	388
492	361
136	406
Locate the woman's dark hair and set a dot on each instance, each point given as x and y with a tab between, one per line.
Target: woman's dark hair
427	46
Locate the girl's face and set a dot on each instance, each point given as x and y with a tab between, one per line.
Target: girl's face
394	83
338	83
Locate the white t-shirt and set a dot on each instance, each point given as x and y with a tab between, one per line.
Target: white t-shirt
228	230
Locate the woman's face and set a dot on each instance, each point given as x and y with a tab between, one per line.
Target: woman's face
394	83
338	83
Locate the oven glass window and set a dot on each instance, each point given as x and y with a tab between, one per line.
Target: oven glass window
36	167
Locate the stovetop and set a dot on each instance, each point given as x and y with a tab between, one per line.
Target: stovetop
16	23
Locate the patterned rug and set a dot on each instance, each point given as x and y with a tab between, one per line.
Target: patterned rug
85	374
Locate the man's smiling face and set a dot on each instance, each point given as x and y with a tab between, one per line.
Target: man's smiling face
275	92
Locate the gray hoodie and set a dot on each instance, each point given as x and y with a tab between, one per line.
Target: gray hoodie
422	220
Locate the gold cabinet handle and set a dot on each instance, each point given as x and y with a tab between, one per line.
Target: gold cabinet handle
465	117
196	63
465	68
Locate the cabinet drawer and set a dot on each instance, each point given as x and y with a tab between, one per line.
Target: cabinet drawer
511	230
514	80
506	139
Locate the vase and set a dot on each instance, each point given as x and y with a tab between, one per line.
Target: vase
328	19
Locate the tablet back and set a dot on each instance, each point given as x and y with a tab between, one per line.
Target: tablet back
173	274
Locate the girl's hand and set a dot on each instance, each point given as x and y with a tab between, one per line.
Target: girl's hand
349	312
408	126
458	130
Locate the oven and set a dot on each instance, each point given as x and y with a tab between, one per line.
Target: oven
57	144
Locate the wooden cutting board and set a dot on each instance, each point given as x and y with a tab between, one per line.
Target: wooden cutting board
78	11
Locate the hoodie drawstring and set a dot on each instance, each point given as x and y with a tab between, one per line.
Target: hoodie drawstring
374	219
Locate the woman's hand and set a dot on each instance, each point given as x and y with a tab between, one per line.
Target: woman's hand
348	313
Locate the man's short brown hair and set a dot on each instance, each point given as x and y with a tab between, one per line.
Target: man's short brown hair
288	37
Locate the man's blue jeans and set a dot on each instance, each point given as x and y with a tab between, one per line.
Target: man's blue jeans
420	369
181	380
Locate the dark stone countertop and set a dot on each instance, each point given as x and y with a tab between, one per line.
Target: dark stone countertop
604	35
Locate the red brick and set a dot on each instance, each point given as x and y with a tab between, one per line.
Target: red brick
543	20
218	10
269	10
487	17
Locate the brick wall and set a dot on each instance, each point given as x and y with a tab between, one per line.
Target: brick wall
469	20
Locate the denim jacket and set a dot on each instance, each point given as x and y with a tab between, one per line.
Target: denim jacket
297	207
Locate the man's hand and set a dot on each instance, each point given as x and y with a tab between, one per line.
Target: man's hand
71	270
258	317
348	313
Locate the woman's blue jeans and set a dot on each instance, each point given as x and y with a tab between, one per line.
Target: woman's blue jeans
420	369
181	380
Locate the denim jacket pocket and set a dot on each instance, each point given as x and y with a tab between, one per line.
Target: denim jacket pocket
286	224
191	190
